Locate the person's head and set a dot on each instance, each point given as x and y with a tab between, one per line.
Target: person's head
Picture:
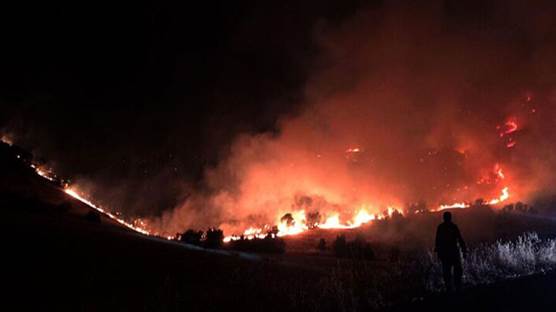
447	216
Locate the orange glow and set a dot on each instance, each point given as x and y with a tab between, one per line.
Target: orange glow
297	222
504	196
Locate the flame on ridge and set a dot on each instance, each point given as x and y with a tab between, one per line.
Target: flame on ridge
363	216
333	221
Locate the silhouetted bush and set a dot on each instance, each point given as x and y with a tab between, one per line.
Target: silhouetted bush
214	238
191	237
519	207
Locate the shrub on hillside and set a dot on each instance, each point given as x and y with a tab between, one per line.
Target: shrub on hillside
214	238
191	237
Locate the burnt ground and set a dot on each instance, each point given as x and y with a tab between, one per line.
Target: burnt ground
57	259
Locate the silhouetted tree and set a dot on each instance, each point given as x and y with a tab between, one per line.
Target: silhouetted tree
287	219
396	215
313	219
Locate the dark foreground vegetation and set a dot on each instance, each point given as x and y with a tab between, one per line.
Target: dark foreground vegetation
267	245
214	239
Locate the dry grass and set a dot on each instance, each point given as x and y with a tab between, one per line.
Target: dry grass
363	285
488	263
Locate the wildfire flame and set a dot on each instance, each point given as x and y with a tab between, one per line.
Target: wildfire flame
452	206
363	216
509	127
353	150
297	225
504	196
112	216
285	228
45	173
297	222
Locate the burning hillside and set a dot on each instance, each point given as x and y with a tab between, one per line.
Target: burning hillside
389	124
300	218
403	110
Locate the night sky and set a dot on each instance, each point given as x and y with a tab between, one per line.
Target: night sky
169	78
127	91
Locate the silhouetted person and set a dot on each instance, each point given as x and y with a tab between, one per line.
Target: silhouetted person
448	237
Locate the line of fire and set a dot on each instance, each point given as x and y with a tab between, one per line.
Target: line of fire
299	221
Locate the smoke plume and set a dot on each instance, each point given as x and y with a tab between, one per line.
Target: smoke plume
407	103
